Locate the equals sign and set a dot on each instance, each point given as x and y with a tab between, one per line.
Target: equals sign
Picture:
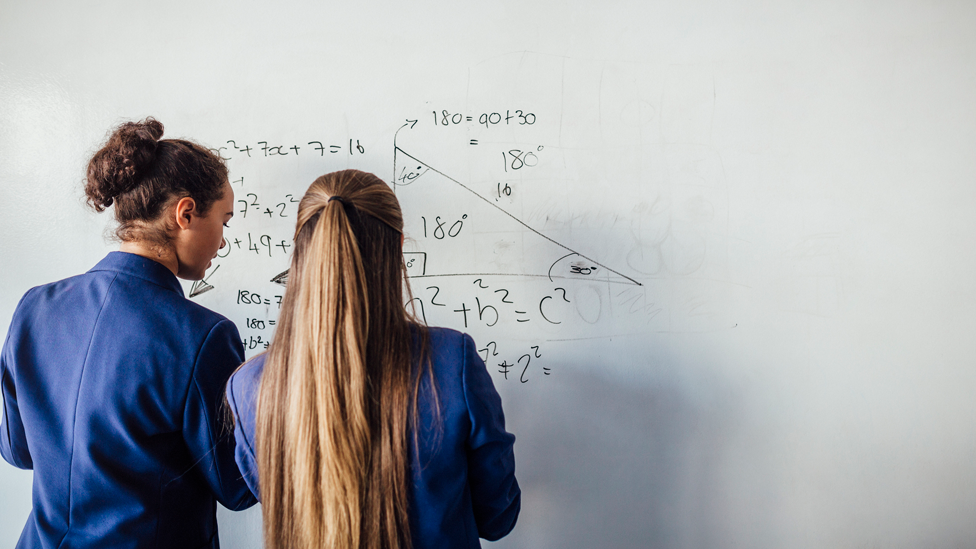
519	319
546	371
267	302
474	141
271	323
469	118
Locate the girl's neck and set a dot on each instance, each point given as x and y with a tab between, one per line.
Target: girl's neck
166	256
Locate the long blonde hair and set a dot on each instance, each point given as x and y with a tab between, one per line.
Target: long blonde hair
334	404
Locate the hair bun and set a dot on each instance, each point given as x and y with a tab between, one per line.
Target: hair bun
120	164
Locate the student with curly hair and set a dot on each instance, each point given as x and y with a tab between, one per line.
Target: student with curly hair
112	380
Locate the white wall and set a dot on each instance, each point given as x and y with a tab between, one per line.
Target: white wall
791	185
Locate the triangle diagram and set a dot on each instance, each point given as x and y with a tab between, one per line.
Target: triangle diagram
454	231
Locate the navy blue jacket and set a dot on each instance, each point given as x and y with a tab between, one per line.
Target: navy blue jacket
464	483
112	391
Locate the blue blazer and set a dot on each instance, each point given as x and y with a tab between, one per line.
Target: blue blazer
112	388
464	483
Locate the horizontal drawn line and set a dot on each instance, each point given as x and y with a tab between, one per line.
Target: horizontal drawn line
600	280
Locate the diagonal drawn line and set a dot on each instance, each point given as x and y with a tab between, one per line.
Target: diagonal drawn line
519	221
211	273
202	286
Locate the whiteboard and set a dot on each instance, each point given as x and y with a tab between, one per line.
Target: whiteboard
717	255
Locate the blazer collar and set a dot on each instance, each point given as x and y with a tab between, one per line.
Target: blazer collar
140	267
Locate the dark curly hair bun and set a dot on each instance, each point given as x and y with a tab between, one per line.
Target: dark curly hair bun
138	174
121	164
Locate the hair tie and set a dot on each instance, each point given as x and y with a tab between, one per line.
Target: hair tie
340	199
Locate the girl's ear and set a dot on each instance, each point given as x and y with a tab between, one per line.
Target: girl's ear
185	209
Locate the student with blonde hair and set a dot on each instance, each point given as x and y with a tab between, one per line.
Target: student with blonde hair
360	427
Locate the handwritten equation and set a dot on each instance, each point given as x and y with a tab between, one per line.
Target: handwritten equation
267	149
486	119
488	307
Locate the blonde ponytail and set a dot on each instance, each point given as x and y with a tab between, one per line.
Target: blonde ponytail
332	411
